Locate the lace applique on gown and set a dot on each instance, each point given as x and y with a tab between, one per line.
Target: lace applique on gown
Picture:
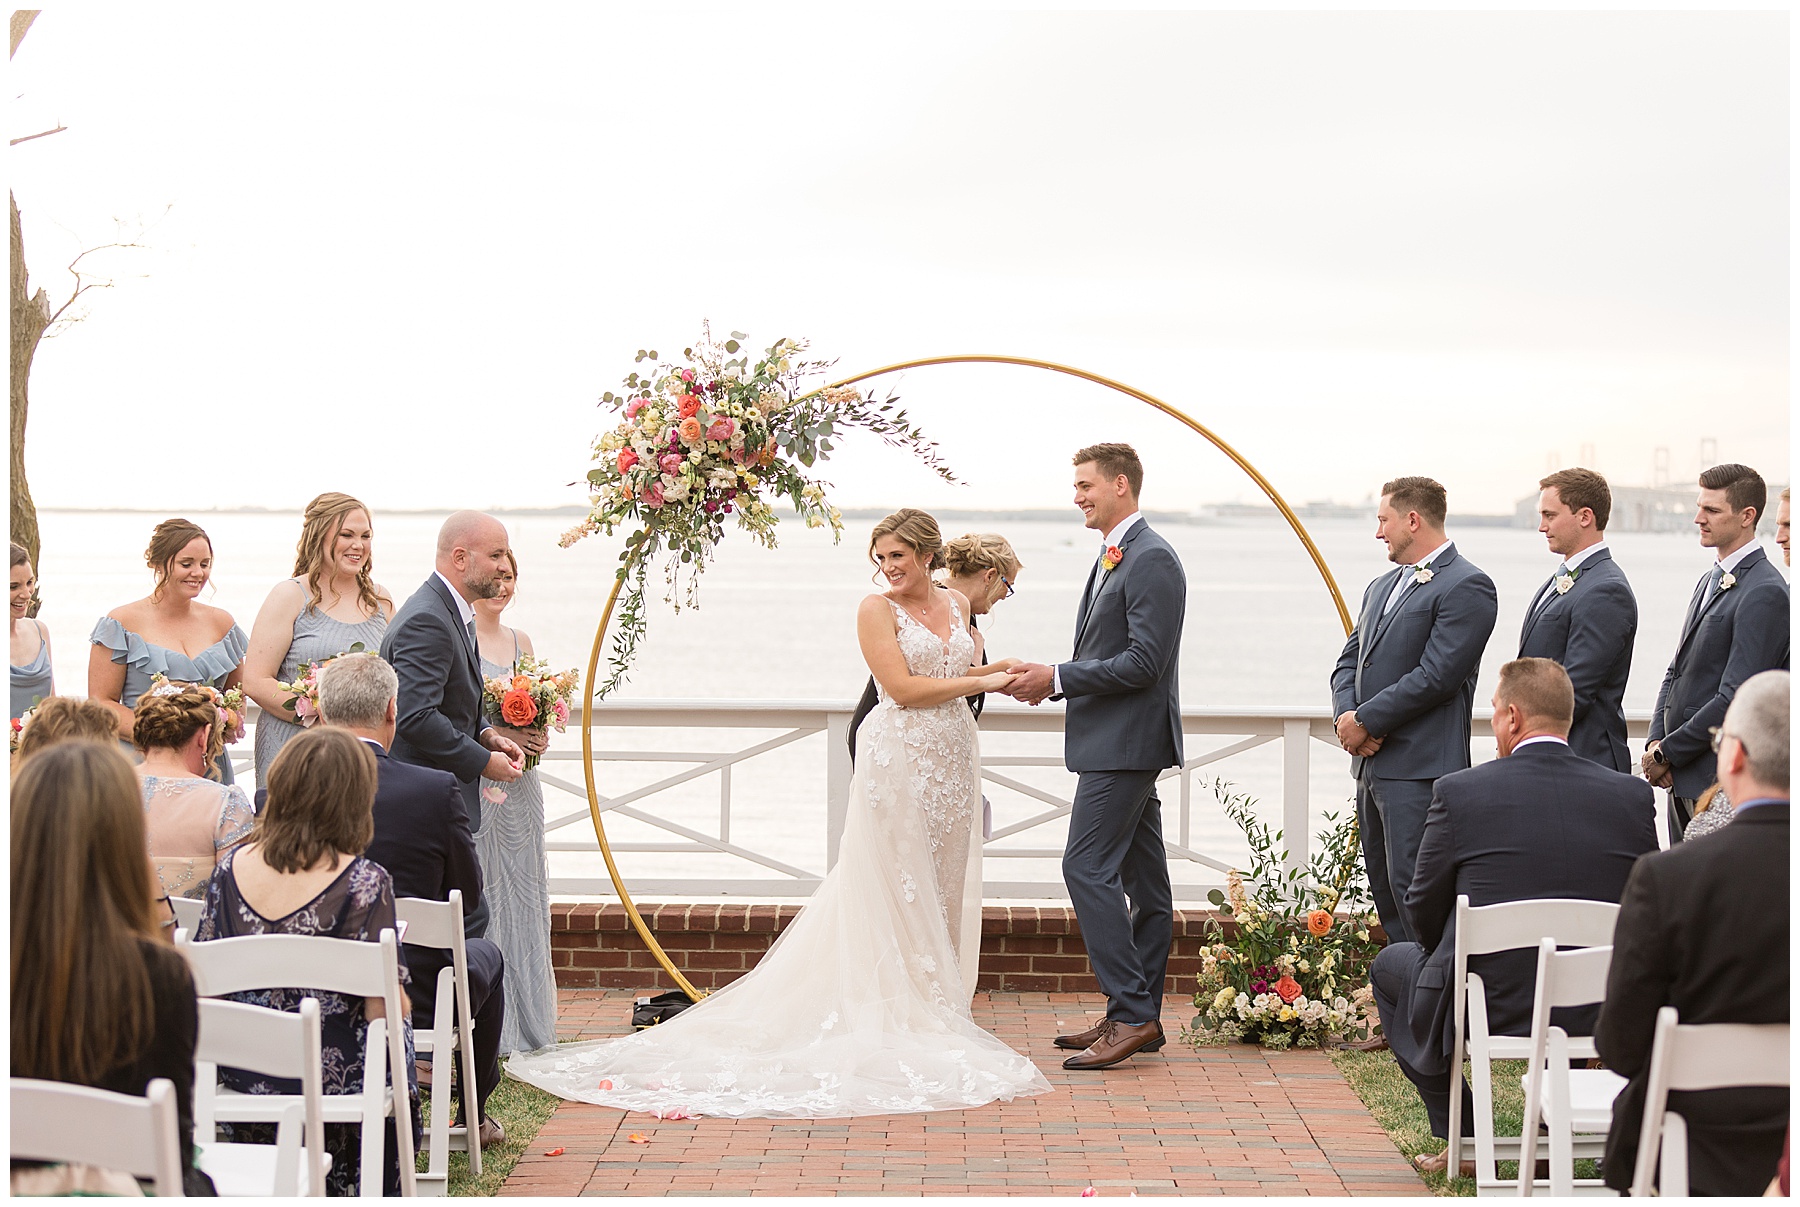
861	1007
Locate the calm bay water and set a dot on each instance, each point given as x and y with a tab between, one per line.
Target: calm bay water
1261	632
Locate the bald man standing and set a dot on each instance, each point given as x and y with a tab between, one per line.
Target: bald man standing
431	646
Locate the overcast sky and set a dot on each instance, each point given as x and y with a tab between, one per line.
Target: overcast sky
402	251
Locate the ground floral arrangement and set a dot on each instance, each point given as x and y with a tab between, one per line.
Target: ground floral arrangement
1294	973
713	437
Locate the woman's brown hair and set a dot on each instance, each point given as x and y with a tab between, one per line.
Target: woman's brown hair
66	719
321	801
170	719
166	540
81	907
915	529
319	527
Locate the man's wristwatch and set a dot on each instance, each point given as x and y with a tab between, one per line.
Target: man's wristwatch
1659	758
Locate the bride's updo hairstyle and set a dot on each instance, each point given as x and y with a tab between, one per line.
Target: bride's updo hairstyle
318	529
971	553
166	540
170	714
917	531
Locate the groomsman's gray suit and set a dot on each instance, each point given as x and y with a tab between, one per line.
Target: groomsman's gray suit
1409	675
1590	630
1728	636
1122	727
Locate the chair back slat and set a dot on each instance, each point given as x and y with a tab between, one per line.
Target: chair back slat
55	1121
1571	921
1573	978
271	1042
431	923
187	912
250	962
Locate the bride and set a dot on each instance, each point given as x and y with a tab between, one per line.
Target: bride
862	1006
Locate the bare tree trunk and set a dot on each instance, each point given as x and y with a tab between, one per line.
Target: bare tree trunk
30	316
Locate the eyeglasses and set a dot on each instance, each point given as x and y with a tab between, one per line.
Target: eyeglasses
1010	589
1718	735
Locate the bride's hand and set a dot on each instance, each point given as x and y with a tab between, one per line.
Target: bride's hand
1006	664
997	682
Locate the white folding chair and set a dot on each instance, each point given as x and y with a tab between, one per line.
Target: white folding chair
346	966
1703	1056
440	924
55	1121
187	912
276	1044
1569	1102
1484	930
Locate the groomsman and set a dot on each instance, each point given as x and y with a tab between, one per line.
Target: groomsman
1736	626
1404	687
1585	617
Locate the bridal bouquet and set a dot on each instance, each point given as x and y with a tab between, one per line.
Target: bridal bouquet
303	692
532	697
713	437
1290	972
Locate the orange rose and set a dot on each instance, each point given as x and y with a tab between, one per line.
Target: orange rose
1288	988
688	406
691	431
1318	923
518	709
521	683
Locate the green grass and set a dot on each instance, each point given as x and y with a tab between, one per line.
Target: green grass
1390	1097
522	1110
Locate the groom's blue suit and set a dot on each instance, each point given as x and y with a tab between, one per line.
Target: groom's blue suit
1122	727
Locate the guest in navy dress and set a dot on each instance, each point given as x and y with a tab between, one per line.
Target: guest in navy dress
168	632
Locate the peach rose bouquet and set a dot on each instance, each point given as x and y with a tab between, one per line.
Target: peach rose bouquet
532	697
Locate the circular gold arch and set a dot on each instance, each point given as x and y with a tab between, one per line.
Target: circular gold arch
587	705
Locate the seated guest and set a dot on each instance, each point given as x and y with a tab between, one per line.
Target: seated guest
97	999
422	838
189	818
1704	928
303	873
1541	821
1712	812
64	719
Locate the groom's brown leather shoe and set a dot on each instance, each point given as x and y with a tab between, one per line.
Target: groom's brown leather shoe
1083	1039
1117	1041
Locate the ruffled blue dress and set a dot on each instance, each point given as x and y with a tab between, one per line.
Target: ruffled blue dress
142	660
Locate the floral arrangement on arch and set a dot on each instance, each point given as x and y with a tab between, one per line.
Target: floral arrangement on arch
714	438
303	692
532	697
1294	971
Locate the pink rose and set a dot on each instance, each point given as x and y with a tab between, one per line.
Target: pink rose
627	459
687	375
560	710
652	495
721	429
633	407
670	462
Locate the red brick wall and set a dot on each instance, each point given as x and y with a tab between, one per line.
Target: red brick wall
1023	948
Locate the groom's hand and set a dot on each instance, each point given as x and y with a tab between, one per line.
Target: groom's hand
507	761
1032	682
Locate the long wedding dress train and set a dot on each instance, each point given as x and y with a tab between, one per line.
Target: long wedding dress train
862	1006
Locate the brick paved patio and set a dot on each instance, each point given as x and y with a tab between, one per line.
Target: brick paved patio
1234	1121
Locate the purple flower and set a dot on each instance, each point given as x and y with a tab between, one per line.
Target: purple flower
1259	986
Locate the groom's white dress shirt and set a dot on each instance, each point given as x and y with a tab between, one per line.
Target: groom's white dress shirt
1113	537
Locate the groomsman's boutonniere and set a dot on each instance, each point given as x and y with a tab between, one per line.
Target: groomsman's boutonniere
1566	580
1727	582
1112	557
1421	574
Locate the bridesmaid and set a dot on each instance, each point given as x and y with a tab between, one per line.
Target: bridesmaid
329	605
169	631
510	844
31	677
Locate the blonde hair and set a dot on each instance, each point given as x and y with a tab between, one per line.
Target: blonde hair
170	719
974	552
319	526
915	529
65	719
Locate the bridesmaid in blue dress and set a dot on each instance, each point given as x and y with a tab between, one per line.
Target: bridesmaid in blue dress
510	844
168	632
31	678
329	605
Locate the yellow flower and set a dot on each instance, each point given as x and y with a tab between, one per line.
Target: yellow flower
1225	997
1287	1014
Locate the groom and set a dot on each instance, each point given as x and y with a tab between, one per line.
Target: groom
1122	728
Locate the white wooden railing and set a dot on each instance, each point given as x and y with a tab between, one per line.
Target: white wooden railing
664	752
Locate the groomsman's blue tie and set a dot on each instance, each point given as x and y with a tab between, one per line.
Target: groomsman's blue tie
1551	589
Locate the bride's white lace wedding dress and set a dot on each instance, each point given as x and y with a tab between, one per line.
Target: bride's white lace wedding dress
862	1006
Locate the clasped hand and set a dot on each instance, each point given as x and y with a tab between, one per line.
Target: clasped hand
507	762
1354	738
1032	683
1660	775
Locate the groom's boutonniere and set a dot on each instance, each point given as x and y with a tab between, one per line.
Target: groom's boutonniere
1421	574
1728	581
1566	580
1114	555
